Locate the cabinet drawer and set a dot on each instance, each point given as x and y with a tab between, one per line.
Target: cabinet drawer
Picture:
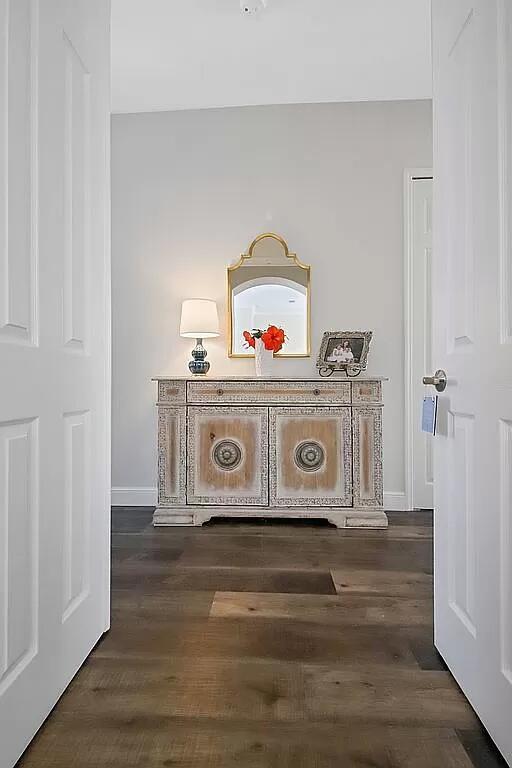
366	392
172	391
269	392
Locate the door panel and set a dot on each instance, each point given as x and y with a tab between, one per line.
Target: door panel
54	352
505	167
19	535
506	549
227	456
310	457
462	506
77	194
18	195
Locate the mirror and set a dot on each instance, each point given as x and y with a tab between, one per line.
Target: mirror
269	286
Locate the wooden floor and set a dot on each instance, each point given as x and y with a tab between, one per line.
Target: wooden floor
255	645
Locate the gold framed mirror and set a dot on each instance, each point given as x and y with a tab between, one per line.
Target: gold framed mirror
269	286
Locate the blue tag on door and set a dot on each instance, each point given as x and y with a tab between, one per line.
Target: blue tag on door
429	415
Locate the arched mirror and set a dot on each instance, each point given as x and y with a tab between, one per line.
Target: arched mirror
269	286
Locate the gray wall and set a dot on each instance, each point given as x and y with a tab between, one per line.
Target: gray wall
189	192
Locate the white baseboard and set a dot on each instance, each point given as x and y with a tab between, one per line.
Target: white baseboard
395	502
146	497
133	497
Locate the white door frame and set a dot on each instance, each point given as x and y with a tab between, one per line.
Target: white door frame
410	175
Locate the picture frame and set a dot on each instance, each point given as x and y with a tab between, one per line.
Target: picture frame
344	352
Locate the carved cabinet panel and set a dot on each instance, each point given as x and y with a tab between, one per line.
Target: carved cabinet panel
311	457
367	447
171	449
227	455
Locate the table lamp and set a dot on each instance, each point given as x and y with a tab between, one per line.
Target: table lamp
199	320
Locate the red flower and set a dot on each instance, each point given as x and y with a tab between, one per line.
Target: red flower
273	338
249	339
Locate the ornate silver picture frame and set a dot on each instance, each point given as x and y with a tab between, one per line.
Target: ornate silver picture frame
344	351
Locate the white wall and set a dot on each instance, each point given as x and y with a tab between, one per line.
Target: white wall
191	189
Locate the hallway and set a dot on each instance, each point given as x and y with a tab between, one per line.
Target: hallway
255	645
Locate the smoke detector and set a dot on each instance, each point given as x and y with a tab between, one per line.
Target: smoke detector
252	7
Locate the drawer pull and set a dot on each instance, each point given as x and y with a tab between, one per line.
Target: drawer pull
220	392
316	392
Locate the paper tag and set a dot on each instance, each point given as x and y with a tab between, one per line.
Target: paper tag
429	414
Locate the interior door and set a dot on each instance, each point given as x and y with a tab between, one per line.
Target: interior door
472	281
54	352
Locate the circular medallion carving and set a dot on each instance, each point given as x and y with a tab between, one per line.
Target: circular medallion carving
227	454
309	456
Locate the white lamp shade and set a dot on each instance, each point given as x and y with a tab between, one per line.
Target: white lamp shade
199	319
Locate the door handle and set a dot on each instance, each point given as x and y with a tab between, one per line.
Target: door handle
438	380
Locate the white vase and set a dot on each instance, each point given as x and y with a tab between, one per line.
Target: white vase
263	359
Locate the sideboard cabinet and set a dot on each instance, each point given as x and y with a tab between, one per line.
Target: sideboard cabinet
270	448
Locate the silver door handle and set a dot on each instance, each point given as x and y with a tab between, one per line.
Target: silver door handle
438	380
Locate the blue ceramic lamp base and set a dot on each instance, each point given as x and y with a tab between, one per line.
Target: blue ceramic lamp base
199	365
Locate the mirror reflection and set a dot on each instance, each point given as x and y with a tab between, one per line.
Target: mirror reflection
269	286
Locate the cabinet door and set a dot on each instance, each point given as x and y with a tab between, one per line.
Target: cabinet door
310	457
172	447
367	431
227	456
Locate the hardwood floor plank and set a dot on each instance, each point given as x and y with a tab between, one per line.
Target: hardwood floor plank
338	610
267	639
131	519
386	695
250	579
425	653
414	584
481	749
188	687
377	554
225	537
156	607
419	517
207	743
267	690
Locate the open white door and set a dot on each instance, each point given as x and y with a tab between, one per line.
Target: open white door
472	292
54	352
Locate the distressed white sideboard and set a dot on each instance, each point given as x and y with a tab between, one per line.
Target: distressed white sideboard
297	448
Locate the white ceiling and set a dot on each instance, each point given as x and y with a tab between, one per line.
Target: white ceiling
188	54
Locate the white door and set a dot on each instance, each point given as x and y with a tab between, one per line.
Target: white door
54	352
420	351
472	282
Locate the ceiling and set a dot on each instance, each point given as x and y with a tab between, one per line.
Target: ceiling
189	54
